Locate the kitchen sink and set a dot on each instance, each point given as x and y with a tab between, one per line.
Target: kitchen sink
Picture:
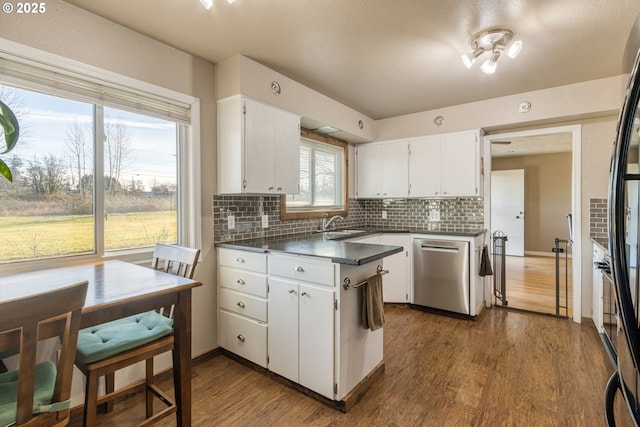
341	234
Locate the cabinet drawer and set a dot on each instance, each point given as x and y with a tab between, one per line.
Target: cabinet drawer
244	337
243	281
251	261
304	269
244	304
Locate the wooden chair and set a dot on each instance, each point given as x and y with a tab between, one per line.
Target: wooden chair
106	348
38	394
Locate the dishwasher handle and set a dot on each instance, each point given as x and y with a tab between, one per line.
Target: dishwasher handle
438	248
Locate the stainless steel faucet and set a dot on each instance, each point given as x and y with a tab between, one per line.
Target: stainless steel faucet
326	223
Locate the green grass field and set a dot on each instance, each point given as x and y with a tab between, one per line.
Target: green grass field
58	235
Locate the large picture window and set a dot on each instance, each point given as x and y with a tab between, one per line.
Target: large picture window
99	169
323	179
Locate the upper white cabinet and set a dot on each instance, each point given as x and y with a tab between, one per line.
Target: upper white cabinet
445	165
382	169
431	166
258	148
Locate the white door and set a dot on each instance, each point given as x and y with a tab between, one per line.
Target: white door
507	208
394	284
459	149
394	171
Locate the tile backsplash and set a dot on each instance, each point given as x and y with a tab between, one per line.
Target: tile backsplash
598	219
401	214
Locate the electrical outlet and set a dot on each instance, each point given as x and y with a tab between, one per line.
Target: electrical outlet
384	214
265	221
434	215
231	222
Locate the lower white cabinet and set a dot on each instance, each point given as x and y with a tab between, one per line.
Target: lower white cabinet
242	302
299	317
244	337
395	284
301	334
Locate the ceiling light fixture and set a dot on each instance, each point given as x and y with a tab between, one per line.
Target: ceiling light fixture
493	40
206	4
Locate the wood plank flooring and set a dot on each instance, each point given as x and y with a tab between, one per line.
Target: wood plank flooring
507	368
531	284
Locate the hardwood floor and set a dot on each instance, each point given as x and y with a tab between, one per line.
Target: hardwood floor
507	368
531	284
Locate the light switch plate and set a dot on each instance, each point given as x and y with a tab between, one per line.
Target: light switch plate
231	222
384	214
265	221
434	215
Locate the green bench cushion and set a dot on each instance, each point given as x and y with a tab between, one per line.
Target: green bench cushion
107	339
44	385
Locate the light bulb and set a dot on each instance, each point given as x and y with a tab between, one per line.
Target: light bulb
468	60
206	4
231	1
491	64
514	48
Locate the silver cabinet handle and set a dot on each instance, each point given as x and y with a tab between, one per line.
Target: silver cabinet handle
270	188
303	293
240	304
240	259
292	291
240	282
298	268
279	188
240	337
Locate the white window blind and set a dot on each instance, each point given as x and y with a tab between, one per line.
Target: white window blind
82	87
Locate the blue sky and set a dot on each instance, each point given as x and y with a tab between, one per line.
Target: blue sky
45	121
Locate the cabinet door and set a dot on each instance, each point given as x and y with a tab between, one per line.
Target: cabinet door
258	156
283	328
460	176
316	317
394	179
286	128
395	283
368	162
424	167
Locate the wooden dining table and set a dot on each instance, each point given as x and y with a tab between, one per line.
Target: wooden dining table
118	289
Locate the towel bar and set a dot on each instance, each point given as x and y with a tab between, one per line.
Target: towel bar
346	283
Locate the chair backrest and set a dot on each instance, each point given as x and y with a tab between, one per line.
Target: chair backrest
174	259
23	316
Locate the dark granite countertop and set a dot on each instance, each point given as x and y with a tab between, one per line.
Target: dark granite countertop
339	251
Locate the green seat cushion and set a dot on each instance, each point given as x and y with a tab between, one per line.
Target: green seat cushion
44	385
104	340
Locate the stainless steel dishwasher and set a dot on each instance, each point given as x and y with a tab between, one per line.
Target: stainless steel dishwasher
441	275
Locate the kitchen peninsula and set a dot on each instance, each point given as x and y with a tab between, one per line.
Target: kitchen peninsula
293	306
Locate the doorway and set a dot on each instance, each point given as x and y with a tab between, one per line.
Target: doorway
550	160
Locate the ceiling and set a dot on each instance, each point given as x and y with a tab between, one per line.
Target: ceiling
388	58
550	143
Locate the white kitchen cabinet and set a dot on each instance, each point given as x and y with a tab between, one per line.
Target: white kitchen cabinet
395	284
301	316
258	148
445	165
382	170
242	303
311	332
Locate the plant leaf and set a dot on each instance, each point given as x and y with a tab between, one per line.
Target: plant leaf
5	171
11	128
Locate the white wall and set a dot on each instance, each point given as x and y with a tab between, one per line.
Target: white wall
77	35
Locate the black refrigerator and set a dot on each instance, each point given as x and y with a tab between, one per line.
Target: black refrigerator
624	229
